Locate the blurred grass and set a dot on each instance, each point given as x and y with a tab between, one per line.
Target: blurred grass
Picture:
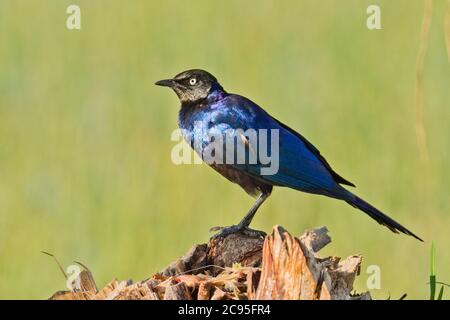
85	170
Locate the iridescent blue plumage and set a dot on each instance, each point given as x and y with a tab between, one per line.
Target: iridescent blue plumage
299	167
208	110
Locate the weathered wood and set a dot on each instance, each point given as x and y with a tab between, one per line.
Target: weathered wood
217	254
137	291
194	260
280	266
291	269
178	291
235	248
204	291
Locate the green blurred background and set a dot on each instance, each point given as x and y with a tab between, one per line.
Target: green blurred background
85	169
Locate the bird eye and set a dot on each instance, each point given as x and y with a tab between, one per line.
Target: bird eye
192	81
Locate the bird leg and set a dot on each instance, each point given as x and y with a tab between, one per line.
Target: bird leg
242	226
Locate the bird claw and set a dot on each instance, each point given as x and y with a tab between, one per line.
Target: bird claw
223	232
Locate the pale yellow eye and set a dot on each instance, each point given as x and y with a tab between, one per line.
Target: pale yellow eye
192	81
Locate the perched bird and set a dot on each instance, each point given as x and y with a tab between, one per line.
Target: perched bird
207	108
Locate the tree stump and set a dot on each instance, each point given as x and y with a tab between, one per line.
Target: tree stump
280	266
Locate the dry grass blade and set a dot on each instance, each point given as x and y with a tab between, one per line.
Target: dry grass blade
420	123
447	30
57	262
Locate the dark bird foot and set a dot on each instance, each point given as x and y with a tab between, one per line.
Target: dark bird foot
225	231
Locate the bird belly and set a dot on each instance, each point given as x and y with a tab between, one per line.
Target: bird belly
250	184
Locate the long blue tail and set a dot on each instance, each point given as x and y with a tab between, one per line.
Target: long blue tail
378	216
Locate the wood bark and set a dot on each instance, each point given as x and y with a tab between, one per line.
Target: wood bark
238	266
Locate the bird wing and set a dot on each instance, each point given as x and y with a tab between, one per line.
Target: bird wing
300	165
298	168
338	178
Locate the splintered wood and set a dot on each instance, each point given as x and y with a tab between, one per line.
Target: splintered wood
239	267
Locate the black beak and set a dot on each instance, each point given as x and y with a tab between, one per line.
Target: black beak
166	83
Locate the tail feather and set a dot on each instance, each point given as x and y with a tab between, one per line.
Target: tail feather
379	216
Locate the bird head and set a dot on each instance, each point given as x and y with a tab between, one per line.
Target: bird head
192	85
